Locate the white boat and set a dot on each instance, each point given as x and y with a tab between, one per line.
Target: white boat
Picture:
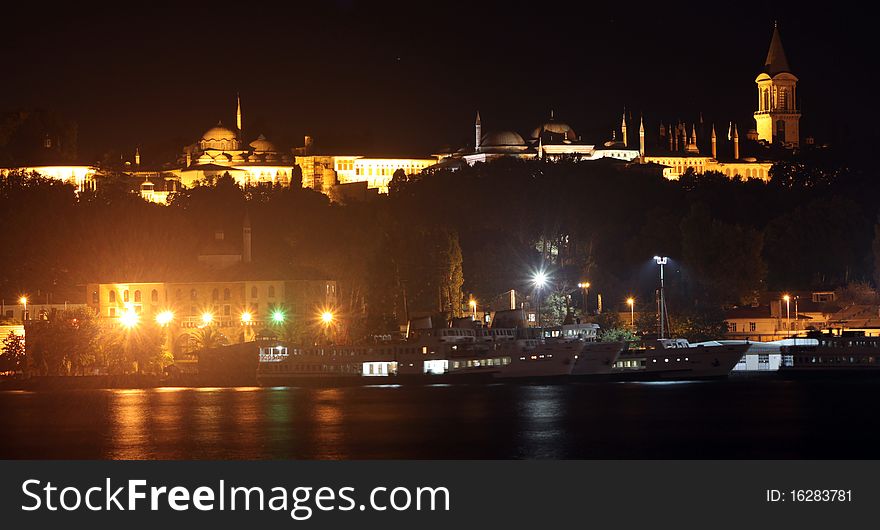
667	359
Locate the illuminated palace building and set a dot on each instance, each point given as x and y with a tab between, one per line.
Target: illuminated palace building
224	291
676	148
221	151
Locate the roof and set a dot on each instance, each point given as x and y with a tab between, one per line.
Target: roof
776	62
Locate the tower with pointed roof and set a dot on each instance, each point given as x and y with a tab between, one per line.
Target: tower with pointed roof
238	115
777	117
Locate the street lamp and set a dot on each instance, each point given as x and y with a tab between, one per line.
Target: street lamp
327	318
473	304
662	260
165	317
586	287
278	316
246	317
23	301
207	318
632	311
787	299
540	280
129	318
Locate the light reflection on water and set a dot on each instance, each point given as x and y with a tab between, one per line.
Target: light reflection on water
739	418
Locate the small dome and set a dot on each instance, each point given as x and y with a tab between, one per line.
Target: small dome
554	127
262	145
503	139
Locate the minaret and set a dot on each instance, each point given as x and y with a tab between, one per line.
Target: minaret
777	117
669	135
246	239
714	143
238	116
137	156
478	133
735	143
641	140
623	127
540	148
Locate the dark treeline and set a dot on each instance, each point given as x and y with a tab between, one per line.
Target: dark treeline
438	238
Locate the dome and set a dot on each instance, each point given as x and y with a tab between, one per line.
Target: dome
219	133
503	139
262	145
219	138
554	127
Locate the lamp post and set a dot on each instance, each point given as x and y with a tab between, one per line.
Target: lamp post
662	260
540	279
23	301
473	304
586	287
632	311
787	299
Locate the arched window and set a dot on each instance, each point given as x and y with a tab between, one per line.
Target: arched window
271	291
112	297
215	295
154	296
137	295
226	294
125	295
254	291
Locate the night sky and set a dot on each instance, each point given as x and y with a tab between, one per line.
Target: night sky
406	79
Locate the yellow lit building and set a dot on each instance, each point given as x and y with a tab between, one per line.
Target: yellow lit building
239	309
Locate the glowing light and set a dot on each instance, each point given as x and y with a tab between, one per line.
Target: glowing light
584	285
786	297
661	260
23	300
246	317
630	301
473	304
164	318
129	318
540	279
278	316
327	317
207	318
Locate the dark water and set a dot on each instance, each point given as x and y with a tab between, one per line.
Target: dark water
743	417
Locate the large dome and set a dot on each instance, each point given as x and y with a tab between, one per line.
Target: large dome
503	139
219	132
220	137
554	127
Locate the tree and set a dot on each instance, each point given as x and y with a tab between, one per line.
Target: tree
208	337
725	259
12	355
617	335
699	325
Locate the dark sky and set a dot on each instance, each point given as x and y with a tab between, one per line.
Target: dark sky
405	79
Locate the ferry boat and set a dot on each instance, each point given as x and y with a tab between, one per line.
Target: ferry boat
847	353
675	359
432	356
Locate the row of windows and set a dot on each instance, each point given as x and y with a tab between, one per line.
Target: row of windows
178	294
731	326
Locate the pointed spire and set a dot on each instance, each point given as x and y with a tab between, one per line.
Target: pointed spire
714	143
776	61
478	133
642	125
238	112
478	119
551	114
